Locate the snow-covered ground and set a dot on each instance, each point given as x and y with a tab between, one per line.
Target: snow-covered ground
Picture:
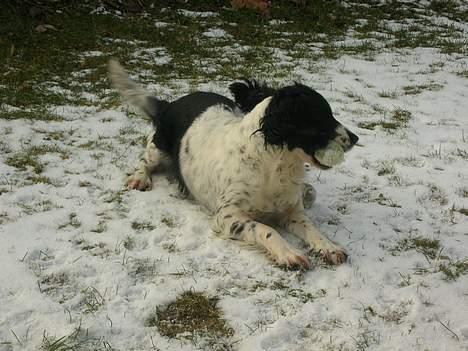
82	256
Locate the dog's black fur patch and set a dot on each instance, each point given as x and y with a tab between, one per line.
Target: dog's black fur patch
248	93
172	119
298	117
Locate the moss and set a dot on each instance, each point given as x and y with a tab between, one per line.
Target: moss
191	314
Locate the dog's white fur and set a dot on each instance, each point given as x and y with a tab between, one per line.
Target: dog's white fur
227	168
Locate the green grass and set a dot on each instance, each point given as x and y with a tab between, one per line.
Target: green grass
399	119
78	340
430	248
72	221
453	270
29	158
38	114
436	195
420	88
385	168
142	225
37	75
191	315
300	294
37	207
142	268
53	284
169	221
92	300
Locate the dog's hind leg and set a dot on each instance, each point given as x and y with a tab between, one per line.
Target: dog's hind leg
232	223
140	179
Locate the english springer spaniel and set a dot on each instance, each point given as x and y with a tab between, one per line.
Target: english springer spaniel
244	159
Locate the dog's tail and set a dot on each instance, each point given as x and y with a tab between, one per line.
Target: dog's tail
248	93
133	93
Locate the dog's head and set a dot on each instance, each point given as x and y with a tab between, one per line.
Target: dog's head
300	119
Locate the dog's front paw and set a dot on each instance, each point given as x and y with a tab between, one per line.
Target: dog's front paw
309	194
139	181
292	259
335	256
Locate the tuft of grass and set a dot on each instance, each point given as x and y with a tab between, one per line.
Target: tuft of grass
170	247
57	285
92	299
435	194
40	179
191	315
383	200
430	248
142	268
51	284
388	94
79	340
396	315
169	221
303	296
401	116
73	221
39	114
41	206
100	228
129	243
462	192
140	226
29	157
25	160
95	249
382	124
64	343
452	270
385	168
418	89
399	119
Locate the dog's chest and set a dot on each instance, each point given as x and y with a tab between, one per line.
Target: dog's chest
220	164
273	192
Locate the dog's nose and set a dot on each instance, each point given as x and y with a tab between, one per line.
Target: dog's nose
353	137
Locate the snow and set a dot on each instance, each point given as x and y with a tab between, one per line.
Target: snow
216	33
376	301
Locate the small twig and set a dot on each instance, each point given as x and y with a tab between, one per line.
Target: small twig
16	336
450	330
110	322
69	314
24	257
152	344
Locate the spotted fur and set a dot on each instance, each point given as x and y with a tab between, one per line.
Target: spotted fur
244	168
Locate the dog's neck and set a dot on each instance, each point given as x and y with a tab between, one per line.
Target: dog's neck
251	121
289	163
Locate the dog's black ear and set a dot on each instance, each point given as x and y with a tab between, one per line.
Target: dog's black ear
248	93
271	129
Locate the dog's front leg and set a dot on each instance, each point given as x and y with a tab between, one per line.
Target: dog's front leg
232	223
298	223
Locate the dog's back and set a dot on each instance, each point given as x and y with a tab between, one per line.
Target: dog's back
170	119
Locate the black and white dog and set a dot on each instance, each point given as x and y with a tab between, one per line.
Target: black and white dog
243	160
